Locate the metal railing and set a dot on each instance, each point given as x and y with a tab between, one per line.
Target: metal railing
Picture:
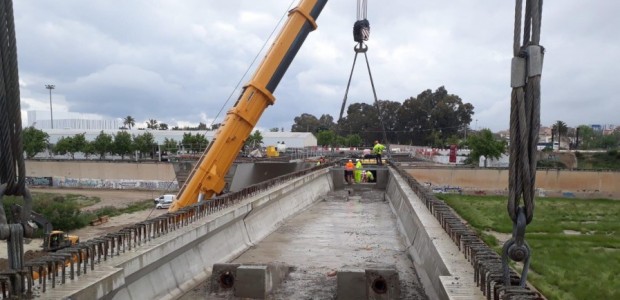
488	272
69	263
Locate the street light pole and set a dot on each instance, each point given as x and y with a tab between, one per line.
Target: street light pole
51	87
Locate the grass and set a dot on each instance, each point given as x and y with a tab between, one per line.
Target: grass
112	211
64	211
564	266
609	160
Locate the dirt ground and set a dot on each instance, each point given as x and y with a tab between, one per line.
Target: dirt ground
117	198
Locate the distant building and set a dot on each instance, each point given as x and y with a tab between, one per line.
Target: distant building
71	120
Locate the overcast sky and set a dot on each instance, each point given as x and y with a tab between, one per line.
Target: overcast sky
177	61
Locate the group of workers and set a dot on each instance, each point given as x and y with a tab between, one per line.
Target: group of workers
356	173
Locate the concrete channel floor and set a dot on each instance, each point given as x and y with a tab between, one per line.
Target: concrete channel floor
341	232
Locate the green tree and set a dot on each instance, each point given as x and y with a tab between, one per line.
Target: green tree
483	143
88	149
194	143
326	138
129	121
163	126
326	122
254	140
35	141
432	117
353	140
103	144
305	123
80	144
152	124
274	129
202	126
144	143
362	118
64	145
560	129
122	143
72	145
170	145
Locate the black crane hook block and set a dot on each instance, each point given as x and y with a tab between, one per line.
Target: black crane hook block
361	30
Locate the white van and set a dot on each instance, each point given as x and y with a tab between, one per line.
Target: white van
164	201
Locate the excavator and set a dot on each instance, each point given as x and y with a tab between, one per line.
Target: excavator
53	240
207	177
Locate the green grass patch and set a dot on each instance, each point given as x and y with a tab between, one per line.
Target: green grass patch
564	266
64	211
112	211
609	160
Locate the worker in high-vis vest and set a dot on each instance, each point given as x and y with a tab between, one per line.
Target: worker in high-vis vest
357	174
348	171
377	151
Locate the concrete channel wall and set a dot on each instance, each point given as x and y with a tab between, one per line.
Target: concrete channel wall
443	270
172	264
549	182
101	175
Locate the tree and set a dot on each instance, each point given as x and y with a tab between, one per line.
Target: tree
194	143
326	122
88	149
129	121
72	145
202	126
274	129
560	129
170	145
122	144
326	138
152	124
80	144
432	117
305	123
362	118
35	141
64	145
483	143
353	140
255	139
144	143
163	126
103	144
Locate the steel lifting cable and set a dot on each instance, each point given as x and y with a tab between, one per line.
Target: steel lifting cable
524	126
12	166
361	33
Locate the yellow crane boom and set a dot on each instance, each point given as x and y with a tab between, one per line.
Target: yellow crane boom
207	177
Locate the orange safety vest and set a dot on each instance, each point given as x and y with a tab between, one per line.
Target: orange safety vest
349	166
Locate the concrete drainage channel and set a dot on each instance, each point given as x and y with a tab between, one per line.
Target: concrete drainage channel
168	256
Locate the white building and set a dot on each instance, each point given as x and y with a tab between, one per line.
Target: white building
71	120
291	139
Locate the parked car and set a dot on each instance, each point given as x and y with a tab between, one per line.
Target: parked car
164	201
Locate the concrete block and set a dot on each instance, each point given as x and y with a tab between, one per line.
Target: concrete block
351	284
257	281
382	284
223	277
251	282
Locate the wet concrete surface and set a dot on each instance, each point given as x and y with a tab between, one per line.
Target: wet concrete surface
341	232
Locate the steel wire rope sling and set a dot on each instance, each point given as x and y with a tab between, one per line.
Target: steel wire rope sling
361	33
524	126
12	166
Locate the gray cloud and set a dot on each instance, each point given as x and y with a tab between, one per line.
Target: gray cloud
179	60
